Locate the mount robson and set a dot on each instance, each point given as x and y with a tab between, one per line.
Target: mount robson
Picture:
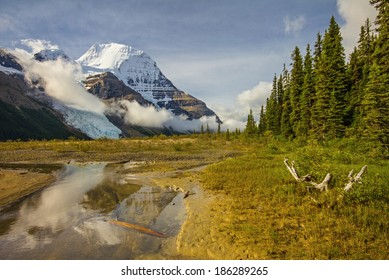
111	91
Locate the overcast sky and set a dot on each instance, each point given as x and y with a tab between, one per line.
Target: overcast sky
224	52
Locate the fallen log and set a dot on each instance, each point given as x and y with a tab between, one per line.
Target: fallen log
307	178
137	227
356	179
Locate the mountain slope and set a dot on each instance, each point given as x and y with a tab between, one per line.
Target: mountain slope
21	117
139	72
122	93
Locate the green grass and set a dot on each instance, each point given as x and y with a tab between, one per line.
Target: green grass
282	220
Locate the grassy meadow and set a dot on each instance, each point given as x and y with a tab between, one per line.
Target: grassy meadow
261	210
276	217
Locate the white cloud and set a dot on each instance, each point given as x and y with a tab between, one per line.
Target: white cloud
59	81
135	114
254	98
38	45
354	13
294	25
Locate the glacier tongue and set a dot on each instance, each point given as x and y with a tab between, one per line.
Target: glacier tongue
92	124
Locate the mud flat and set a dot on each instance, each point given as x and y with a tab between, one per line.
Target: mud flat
200	236
16	184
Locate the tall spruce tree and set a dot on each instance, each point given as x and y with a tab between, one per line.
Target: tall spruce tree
286	127
272	122
375	107
251	128
296	87
308	91
358	71
330	86
262	122
375	103
318	49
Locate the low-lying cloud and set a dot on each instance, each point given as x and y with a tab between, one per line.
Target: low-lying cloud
253	98
58	77
134	114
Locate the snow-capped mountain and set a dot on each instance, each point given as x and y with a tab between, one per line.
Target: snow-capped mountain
139	72
113	90
51	54
134	67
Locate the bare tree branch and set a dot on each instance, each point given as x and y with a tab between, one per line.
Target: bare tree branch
307	178
356	179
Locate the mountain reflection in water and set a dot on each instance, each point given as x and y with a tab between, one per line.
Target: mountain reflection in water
68	220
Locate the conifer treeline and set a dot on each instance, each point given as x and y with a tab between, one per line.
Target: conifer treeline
323	97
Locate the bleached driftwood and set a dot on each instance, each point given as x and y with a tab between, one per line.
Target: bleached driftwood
356	179
307	178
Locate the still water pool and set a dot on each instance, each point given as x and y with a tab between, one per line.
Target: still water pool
72	219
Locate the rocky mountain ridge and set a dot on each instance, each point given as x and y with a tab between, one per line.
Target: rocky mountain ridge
138	99
139	72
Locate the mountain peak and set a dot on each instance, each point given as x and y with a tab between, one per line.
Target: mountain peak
140	72
51	54
108	56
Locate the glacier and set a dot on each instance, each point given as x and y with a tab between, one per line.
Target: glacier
63	81
50	69
92	124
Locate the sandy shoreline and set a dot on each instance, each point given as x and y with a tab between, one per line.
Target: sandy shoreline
15	184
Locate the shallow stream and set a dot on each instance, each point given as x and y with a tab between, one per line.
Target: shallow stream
72	218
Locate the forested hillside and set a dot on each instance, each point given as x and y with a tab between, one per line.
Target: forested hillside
325	95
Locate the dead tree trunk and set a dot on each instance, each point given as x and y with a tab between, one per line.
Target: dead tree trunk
356	179
324	184
307	178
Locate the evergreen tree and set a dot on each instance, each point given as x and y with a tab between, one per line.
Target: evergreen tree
286	127
318	50
308	92
280	98
272	114
262	122
228	134
251	128
296	87
330	86
358	72
375	103
375	107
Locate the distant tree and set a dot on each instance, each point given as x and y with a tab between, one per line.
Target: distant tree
296	87
286	127
308	91
280	98
228	134
251	128
262	122
272	110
